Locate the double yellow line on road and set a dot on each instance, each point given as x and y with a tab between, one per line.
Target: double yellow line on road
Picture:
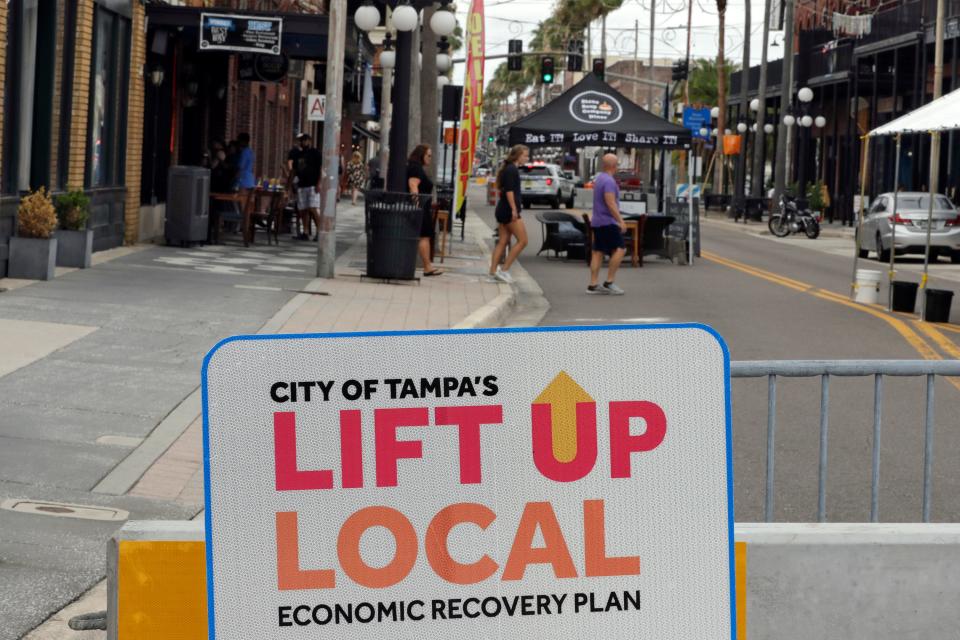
899	322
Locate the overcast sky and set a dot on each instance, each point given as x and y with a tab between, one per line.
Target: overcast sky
507	19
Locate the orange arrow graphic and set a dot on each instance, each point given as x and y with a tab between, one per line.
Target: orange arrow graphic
563	394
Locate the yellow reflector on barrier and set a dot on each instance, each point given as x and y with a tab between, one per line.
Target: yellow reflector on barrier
161	590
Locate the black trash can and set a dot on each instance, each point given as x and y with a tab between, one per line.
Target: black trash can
937	305
393	222
904	296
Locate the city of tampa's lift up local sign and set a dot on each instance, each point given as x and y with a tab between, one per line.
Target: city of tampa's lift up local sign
560	483
255	34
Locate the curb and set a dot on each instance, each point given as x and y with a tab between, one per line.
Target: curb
497	310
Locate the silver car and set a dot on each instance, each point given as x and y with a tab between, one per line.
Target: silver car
911	221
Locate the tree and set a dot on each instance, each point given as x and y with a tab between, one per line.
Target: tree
705	80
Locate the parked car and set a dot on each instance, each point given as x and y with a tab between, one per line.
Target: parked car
545	184
627	180
911	221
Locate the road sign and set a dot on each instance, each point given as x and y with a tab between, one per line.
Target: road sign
696	119
316	107
476	484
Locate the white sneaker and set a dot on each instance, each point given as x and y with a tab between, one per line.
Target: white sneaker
612	289
492	277
597	290
504	276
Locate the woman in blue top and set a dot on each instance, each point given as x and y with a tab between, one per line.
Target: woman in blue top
247	159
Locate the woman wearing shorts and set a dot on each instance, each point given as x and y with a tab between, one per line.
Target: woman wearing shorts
419	183
508	214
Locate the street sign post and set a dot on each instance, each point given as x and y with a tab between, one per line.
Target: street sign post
696	119
470	484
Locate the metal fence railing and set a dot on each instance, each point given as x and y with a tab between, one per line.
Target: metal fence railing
825	370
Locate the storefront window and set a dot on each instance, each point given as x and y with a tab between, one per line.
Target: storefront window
37	30
111	46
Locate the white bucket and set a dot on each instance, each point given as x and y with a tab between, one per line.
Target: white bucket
868	286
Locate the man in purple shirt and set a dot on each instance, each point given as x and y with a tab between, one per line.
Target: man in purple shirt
608	229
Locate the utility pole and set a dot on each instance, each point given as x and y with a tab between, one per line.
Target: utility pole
786	98
336	45
934	157
603	37
760	139
650	93
686	81
739	196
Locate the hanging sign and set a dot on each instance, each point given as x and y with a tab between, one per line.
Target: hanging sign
316	107
470	484
472	105
225	32
256	67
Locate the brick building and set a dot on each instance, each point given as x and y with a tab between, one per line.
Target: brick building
104	96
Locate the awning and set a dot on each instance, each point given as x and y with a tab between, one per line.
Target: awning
373	135
943	114
594	114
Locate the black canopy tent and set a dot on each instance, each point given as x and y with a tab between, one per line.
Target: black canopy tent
592	113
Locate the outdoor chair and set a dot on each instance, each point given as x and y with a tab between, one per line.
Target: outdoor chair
562	233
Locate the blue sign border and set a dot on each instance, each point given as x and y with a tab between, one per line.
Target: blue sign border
208	520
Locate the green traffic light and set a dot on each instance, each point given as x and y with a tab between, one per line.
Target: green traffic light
547	77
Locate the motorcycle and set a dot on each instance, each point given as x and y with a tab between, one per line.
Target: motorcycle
792	219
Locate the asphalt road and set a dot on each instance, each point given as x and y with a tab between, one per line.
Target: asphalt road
787	300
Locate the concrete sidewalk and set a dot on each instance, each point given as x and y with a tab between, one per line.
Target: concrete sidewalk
462	297
126	432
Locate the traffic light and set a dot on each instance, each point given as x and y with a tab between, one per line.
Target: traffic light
514	59
575	55
679	70
599	65
546	69
490	139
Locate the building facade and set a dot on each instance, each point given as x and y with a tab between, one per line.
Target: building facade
866	64
104	96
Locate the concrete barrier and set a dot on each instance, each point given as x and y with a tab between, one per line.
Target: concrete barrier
794	581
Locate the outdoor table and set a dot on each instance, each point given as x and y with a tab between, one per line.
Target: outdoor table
653	238
635	226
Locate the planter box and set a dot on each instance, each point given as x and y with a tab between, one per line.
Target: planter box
74	248
32	258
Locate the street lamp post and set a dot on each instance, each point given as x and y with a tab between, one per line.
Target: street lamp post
804	95
405	20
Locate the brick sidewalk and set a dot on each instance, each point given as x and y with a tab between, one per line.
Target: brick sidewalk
460	297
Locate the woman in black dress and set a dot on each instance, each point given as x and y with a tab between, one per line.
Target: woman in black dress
508	214
419	183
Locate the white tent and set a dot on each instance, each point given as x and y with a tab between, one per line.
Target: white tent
943	114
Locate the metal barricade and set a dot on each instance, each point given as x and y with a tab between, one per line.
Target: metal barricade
825	369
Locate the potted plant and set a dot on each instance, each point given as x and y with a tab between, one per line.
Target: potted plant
33	251
74	240
815	199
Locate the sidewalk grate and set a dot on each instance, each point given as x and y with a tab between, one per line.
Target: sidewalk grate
64	510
